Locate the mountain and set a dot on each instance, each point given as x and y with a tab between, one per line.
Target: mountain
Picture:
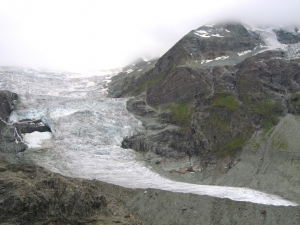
222	107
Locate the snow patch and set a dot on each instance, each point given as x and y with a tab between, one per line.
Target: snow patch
129	71
218	58
222	57
217	35
36	139
206	61
202	33
90	84
244	52
227	30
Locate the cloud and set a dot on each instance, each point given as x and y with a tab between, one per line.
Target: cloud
83	35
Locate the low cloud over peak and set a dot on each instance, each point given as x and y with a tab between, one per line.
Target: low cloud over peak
85	35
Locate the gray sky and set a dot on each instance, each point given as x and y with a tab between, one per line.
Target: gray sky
81	35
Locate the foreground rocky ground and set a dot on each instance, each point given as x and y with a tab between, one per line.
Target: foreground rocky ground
29	194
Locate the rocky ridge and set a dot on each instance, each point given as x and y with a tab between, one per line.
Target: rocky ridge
206	100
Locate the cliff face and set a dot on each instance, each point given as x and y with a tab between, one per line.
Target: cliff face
11	141
209	95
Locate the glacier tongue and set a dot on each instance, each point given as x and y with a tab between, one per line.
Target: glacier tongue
87	130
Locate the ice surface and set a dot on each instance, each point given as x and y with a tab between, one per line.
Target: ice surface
87	130
36	139
269	37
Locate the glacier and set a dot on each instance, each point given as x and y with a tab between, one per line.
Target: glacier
87	131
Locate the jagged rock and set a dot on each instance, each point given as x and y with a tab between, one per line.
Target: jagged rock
211	92
285	37
29	126
7	102
10	141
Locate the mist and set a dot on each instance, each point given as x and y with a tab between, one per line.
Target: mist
77	35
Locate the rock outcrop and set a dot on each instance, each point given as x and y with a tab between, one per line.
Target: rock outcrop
209	95
32	195
11	141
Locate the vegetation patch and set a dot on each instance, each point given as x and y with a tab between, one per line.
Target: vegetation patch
294	103
181	115
231	147
147	84
268	110
229	102
270	123
219	123
279	144
155	80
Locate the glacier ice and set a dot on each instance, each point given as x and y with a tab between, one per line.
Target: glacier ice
87	130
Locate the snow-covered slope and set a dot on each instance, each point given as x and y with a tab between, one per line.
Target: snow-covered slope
282	38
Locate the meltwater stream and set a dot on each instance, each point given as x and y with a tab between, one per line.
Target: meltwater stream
87	130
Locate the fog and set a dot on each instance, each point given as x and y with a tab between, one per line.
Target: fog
80	35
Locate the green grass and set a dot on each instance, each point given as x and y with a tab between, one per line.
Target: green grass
229	102
268	110
219	123
279	145
156	80
231	147
147	84
181	115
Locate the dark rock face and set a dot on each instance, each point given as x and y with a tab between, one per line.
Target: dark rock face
209	110
228	105
285	37
29	126
10	141
7	102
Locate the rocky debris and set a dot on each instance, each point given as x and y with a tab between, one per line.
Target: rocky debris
32	195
